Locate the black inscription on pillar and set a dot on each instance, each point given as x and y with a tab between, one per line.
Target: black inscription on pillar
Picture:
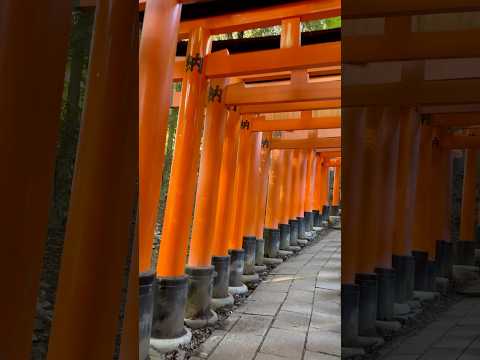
215	93
245	124
193	61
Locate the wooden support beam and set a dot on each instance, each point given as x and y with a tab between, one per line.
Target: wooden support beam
264	17
220	64
313	143
458	91
289	107
330	153
260	124
401	45
239	94
351	9
270	76
456	120
460	142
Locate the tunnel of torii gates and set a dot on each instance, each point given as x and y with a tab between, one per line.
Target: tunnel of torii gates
404	120
245	156
271	132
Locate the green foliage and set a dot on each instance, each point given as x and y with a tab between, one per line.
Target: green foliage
72	104
169	149
314	25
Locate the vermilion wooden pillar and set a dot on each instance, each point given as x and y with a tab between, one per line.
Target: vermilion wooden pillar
296	176
354	164
181	189
274	186
250	219
318	182
406	182
302	185
421	229
336	186
201	243
286	196
310	180
263	185
407	169
224	213
102	204
467	220
423	249
240	187
387	189
157	58
30	104
371	182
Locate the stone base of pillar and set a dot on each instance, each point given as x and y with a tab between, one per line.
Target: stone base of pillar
404	267
200	286
325	213
168	331
444	258
221	265
431	275
421	268
293	232
308	216
350	297
259	252
221	303
284	236
250	246
272	242
301	227
237	258
465	252
317	218
367	306
386	293
334	210
146	286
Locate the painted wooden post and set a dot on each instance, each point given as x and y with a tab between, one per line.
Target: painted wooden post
240	186
30	104
336	186
171	285
407	170
181	189
201	243
224	214
102	204
421	230
354	164
467	223
157	59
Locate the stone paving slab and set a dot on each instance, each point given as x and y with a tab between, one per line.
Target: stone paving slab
288	316
455	335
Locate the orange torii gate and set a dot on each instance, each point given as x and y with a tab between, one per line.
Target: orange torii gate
398	110
85	320
204	74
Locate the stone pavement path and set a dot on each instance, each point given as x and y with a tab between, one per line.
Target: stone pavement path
454	336
293	314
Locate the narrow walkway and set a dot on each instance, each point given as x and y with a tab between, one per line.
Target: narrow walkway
294	314
454	336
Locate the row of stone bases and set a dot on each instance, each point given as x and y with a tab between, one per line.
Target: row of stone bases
378	303
166	304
